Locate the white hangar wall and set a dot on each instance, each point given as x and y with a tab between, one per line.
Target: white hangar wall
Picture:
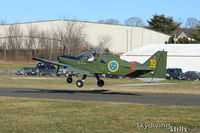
185	56
122	38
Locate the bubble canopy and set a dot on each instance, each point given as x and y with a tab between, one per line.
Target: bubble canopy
89	55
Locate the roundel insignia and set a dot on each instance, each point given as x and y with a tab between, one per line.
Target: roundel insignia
113	66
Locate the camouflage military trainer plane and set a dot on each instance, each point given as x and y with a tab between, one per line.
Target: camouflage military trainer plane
98	62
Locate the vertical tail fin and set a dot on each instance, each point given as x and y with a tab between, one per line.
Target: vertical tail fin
158	63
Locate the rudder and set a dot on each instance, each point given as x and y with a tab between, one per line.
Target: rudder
158	63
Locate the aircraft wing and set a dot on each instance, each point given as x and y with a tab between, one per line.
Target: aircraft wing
69	67
51	62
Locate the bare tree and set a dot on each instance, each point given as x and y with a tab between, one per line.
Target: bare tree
134	21
110	21
68	38
14	40
72	37
3	50
191	22
31	42
104	42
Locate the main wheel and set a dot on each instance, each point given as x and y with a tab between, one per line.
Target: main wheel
79	83
69	80
100	83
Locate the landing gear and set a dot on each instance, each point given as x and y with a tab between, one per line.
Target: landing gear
69	80
100	82
80	83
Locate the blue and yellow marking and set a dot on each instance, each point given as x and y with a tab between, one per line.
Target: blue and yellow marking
113	66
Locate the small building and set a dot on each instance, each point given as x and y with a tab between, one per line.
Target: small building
185	56
184	35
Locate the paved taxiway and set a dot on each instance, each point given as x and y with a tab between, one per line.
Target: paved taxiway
104	95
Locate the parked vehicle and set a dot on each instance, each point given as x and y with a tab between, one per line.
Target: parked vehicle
41	69
174	73
45	70
190	75
26	71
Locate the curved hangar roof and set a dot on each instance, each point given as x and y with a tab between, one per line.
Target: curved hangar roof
173	50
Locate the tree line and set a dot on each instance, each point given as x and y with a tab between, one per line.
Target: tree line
70	39
166	25
191	22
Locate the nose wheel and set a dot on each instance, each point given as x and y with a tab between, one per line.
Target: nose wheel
69	80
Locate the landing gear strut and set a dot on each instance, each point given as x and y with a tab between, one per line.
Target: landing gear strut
80	83
100	82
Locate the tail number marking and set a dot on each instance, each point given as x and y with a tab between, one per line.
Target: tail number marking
152	63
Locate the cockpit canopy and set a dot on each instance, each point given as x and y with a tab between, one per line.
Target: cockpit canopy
90	55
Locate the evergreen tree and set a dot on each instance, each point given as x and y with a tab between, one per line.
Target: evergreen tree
163	24
196	34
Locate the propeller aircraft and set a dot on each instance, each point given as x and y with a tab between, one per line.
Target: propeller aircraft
98	62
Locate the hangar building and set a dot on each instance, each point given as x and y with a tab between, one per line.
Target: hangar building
119	38
185	56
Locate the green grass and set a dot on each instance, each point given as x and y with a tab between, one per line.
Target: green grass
22	115
18	115
13	66
181	87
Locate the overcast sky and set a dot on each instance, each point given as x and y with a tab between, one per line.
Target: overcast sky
90	10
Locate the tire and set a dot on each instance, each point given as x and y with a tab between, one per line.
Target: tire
100	83
69	80
79	83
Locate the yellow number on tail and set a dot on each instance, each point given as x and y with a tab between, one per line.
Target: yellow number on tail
152	63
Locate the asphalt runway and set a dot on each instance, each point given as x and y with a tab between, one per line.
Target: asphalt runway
104	96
